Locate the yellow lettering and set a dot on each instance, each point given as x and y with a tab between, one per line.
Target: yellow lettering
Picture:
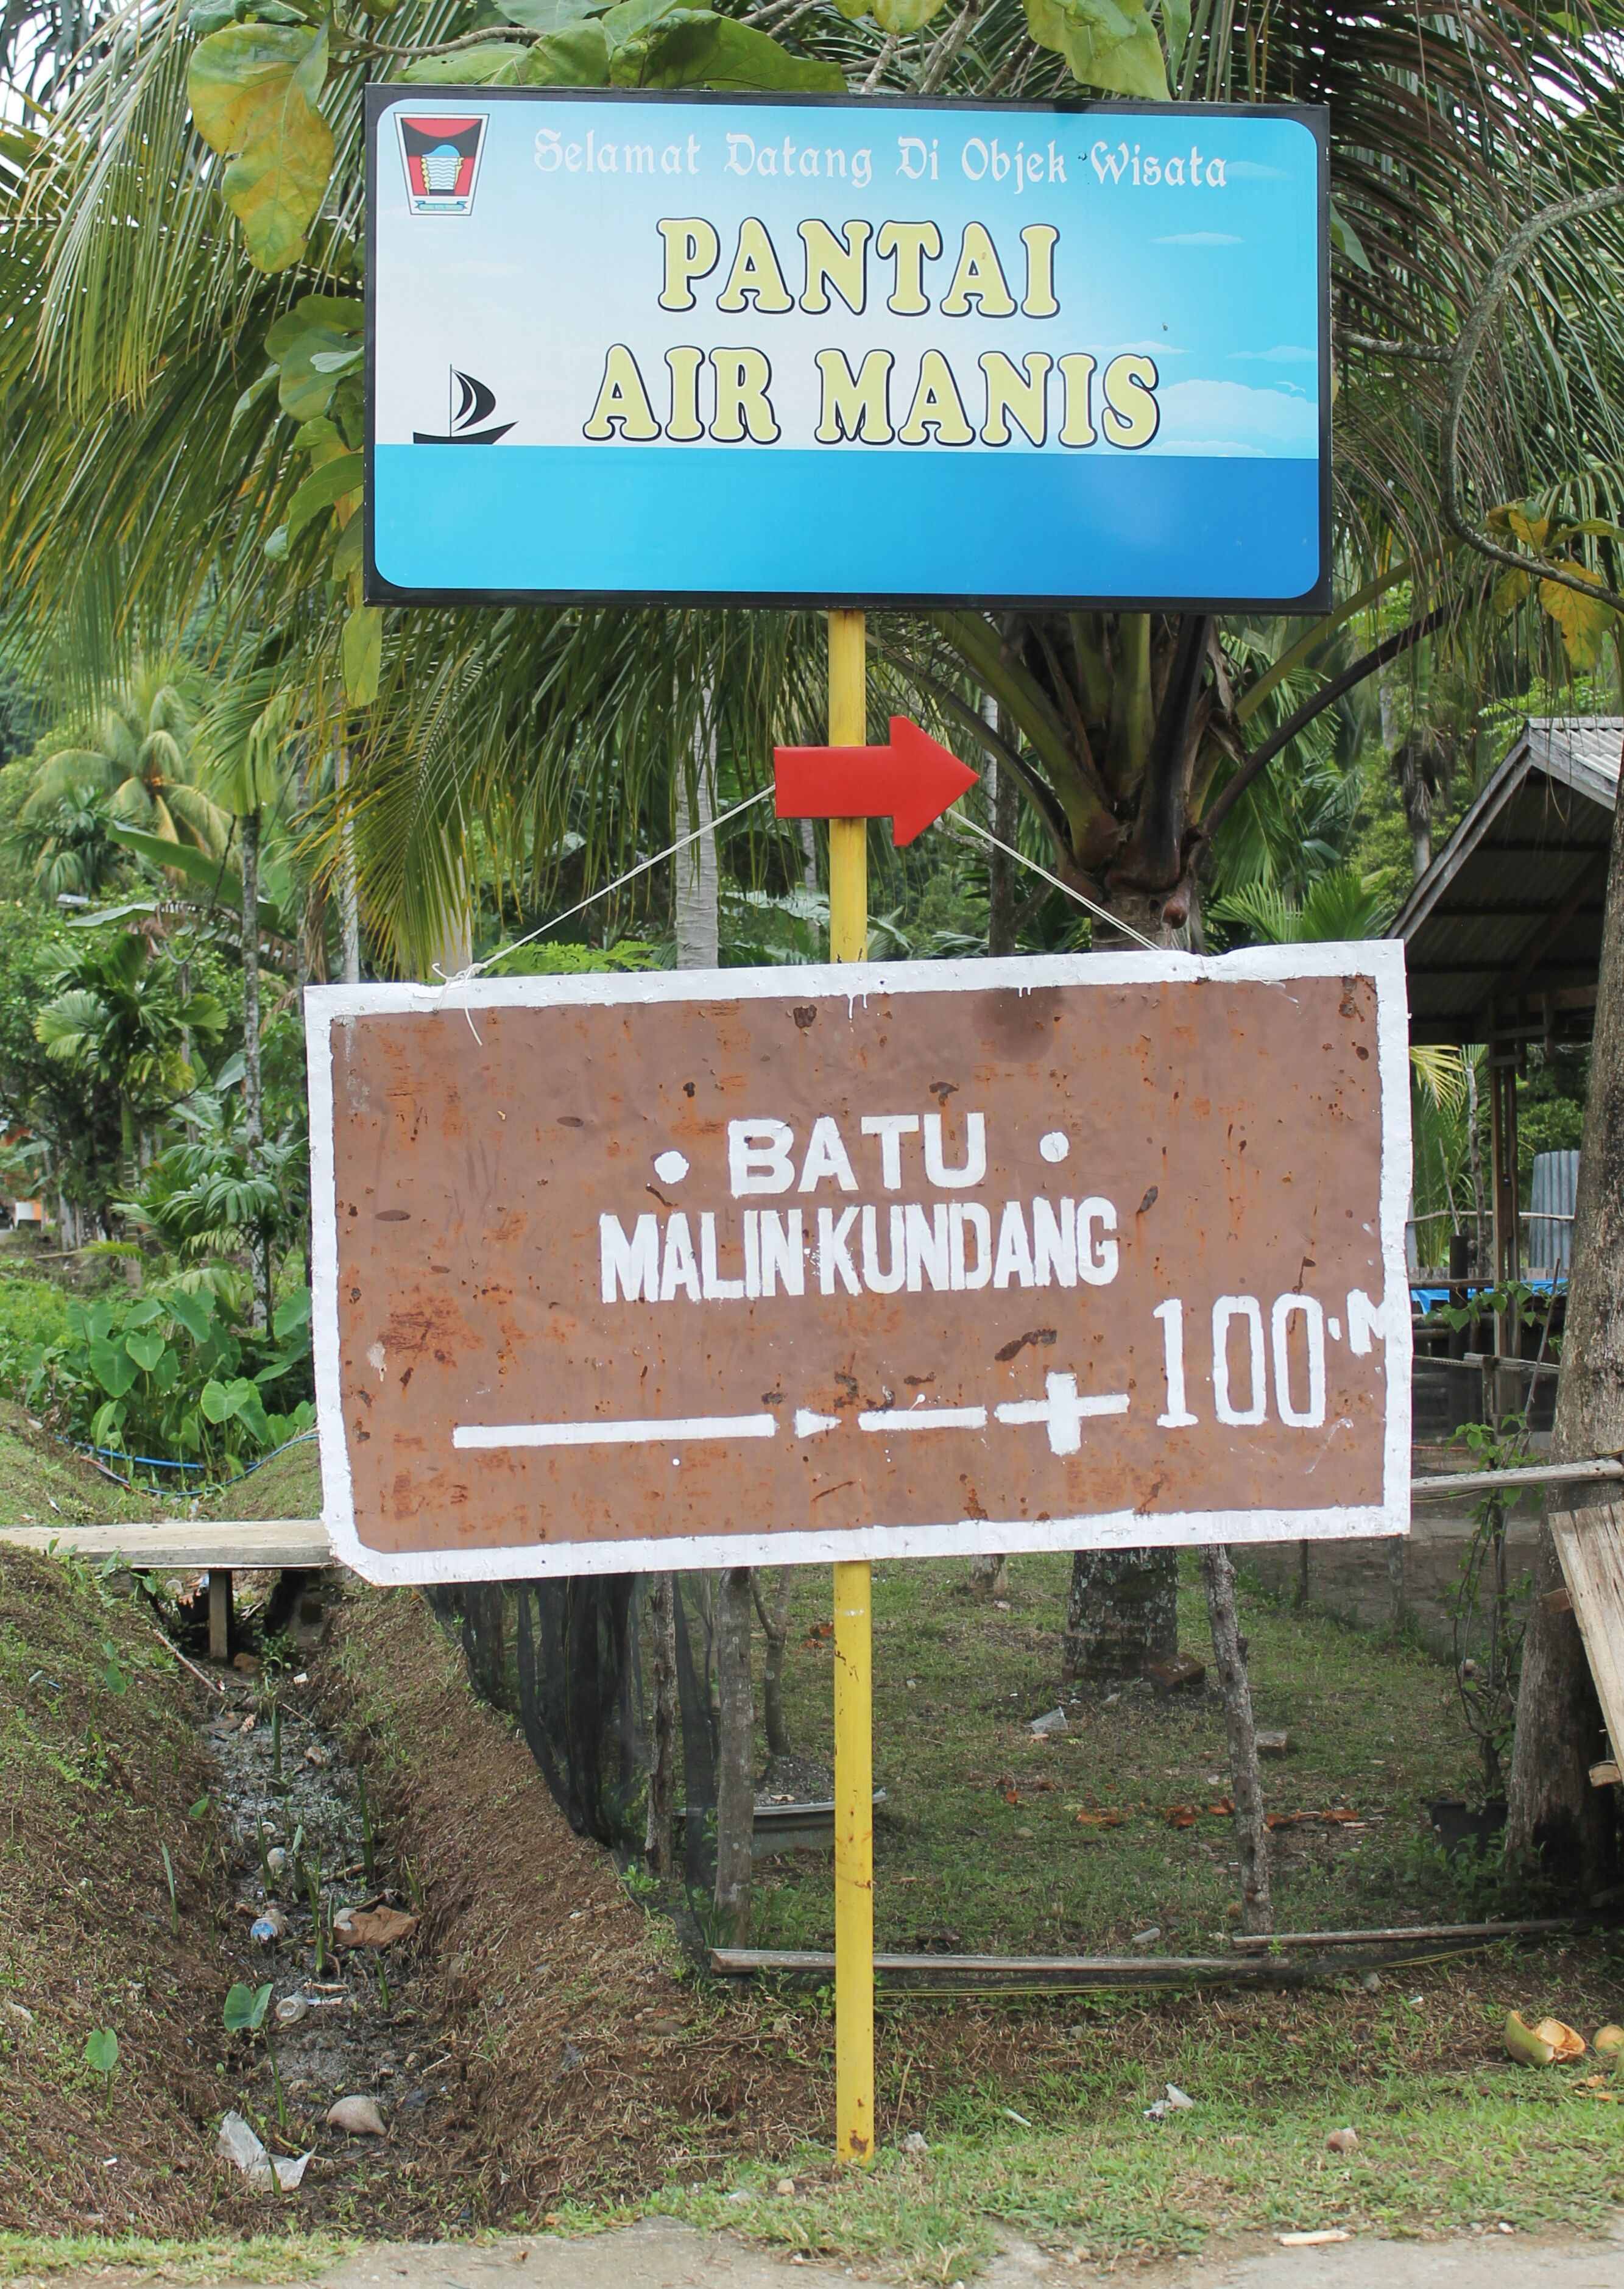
835	262
742	405
979	278
692	249
755	273
1077	428
1009	390
912	245
1132	417
621	398
1038	239
684	424
936	405
854	405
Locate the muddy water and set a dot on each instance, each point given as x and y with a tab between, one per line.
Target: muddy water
344	2022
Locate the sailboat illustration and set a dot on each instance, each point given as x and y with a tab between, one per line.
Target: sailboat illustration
474	403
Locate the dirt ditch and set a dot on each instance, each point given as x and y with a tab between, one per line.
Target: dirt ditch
344	2024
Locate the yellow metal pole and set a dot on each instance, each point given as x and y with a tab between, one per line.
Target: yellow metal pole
854	1691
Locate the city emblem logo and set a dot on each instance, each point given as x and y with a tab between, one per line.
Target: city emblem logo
441	159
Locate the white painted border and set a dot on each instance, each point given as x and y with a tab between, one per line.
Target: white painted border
1381	960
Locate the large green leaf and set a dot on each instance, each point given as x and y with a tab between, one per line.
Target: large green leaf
496	65
903	16
1110	44
578	56
692	47
319	326
363	653
199	867
551	15
253	89
113	1367
321	489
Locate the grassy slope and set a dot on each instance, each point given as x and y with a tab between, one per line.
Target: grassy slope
100	1764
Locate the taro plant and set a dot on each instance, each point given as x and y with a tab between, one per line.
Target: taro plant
246	2012
101	2054
169	1380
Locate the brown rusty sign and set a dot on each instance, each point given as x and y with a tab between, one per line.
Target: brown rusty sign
615	1273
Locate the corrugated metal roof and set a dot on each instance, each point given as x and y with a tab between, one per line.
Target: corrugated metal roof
1502	933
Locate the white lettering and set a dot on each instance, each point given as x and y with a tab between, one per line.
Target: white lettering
975	1167
1225	1310
633	1264
826	1156
715	1291
1096	1259
1014	1255
970	1215
928	1251
833	1251
680	1270
1285	1309
784	1252
1053	1244
759	1157
891	1127
887	1282
1178	1416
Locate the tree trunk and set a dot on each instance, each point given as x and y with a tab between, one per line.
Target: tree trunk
349	897
1553	1814
663	1758
775	1629
988	1575
735	1778
1003	803
1123	1612
253	1103
1246	1777
697	882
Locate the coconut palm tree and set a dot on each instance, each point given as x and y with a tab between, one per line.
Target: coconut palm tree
135	753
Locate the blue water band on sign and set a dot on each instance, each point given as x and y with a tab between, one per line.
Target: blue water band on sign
576	519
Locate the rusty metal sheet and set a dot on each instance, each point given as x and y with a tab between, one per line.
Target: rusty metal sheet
786	1265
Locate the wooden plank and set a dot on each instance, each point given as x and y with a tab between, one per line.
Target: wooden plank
982	1974
1590	1543
1535	1474
185	1542
1403	1935
219	1613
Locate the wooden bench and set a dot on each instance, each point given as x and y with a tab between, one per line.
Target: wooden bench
217	1547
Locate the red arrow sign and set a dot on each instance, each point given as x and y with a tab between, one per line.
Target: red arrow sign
912	782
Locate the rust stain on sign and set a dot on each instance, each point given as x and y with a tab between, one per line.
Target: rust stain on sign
670	1271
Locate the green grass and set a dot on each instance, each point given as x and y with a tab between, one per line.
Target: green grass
44	1484
1432	2162
1373	1725
255	2257
33	1312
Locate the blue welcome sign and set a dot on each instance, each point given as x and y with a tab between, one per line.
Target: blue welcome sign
822	350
